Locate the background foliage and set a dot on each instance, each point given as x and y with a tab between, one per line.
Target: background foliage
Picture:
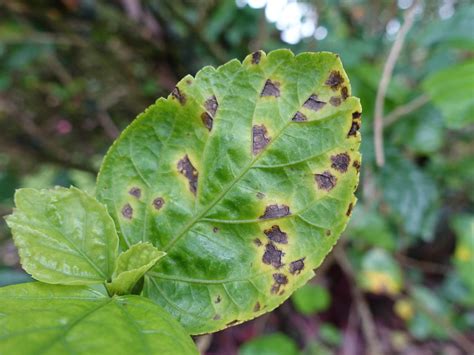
74	73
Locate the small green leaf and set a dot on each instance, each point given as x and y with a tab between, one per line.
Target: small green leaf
64	236
245	177
37	318
464	253
452	91
310	299
272	344
131	266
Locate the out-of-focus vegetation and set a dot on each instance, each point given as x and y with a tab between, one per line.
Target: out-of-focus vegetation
74	73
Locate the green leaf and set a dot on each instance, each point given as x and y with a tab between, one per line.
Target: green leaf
380	273
38	318
64	236
310	299
464	252
131	266
272	344
245	177
452	91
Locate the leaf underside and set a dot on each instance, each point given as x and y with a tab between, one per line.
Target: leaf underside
245	176
37	318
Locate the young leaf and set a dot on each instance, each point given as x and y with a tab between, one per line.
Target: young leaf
53	319
244	176
64	236
131	266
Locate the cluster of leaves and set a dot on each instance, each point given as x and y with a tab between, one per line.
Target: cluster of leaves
214	244
409	243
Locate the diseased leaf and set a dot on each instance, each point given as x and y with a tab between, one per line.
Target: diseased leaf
131	266
64	236
245	177
36	318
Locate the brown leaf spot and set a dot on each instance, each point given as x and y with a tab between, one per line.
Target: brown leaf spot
296	266
313	103
217	317
335	101
271	88
158	203
257	307
328	232
344	93
335	80
299	117
276	211
260	139
215	229
256	57
211	105
127	211
354	128
260	195
356	114
326	181
340	162
233	322
178	95
135	192
207	120
257	242
187	169
356	165
276	235
280	279
218	299
272	256
349	209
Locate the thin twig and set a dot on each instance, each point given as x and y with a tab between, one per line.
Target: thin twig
368	324
425	266
385	80
406	109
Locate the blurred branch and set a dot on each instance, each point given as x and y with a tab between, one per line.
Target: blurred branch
385	80
213	48
406	109
425	266
368	325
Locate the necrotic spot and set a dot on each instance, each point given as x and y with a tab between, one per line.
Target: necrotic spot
299	117
276	235
328	232
207	120
335	101
355	126
233	322
340	162
326	181
177	94
271	88
349	209
260	139
260	195
211	105
135	192
257	242
217	317
275	211
313	103
356	165
127	211
297	266
218	299
356	114
344	93
158	203
335	80
280	279
215	229
187	169
257	307
272	256
256	57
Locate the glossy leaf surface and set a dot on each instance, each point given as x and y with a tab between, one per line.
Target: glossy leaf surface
244	176
52	319
64	236
131	266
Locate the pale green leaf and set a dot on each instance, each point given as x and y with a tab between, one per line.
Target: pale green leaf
245	177
64	236
37	318
310	299
272	344
131	266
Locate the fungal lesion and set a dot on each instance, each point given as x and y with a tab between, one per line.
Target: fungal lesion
273	256
275	234
127	211
297	266
276	211
271	88
158	203
178	95
355	124
260	138
211	105
256	56
314	103
335	80
187	169
280	280
325	180
299	117
340	162
135	192
335	101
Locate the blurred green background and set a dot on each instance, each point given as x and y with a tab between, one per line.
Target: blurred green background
74	73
